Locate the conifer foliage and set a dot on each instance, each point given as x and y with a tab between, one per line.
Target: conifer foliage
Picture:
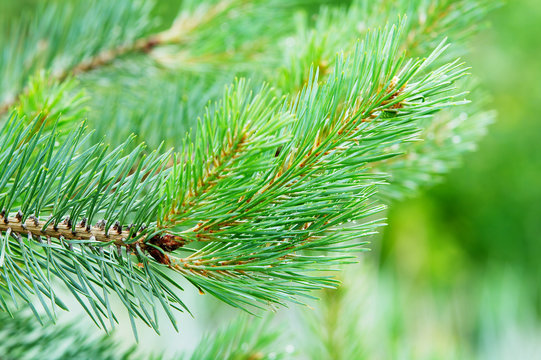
269	134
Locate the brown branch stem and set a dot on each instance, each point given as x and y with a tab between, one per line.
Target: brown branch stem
35	228
165	242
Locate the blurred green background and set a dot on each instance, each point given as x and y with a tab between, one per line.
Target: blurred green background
485	214
473	241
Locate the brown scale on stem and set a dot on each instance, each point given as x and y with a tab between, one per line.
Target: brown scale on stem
157	246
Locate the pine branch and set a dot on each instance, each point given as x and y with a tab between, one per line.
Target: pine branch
58	192
268	190
268	184
265	193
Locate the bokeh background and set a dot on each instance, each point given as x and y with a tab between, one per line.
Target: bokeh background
459	265
473	242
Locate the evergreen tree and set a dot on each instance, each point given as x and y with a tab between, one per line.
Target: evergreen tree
245	146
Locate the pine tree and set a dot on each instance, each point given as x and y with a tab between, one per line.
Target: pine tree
247	147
